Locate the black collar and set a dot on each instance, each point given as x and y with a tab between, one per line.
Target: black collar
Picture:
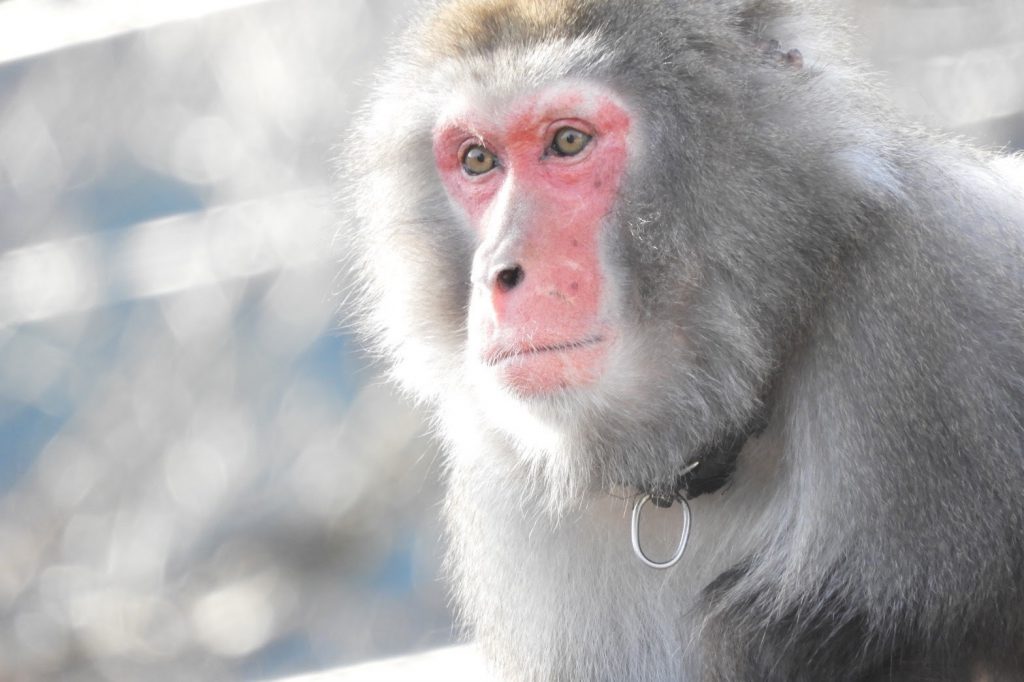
710	470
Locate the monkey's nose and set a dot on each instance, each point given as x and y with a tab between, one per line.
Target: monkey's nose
508	278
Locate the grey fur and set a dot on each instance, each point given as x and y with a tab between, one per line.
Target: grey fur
854	278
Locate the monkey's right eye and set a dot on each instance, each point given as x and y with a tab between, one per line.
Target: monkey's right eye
478	160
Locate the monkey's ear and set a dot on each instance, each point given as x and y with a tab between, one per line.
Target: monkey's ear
814	27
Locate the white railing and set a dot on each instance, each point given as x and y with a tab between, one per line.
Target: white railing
34	28
451	664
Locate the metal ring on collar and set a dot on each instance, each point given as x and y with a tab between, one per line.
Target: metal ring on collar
683	537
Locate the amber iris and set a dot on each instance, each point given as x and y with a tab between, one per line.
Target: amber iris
478	160
569	141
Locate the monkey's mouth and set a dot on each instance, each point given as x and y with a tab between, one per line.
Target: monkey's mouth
499	355
534	369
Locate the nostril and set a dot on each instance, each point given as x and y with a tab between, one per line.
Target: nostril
509	278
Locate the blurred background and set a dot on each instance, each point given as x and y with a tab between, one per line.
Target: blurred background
201	474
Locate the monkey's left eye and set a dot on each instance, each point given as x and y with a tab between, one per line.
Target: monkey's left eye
569	141
478	160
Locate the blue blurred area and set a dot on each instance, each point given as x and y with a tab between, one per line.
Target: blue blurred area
201	473
24	430
128	193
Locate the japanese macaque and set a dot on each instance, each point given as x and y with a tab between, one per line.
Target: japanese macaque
681	249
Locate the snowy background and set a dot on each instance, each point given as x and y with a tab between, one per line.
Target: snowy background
201	475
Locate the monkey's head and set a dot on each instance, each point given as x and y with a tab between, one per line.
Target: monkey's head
591	224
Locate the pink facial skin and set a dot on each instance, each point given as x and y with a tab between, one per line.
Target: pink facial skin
544	214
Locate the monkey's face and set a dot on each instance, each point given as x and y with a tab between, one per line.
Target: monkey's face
547	251
535	184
